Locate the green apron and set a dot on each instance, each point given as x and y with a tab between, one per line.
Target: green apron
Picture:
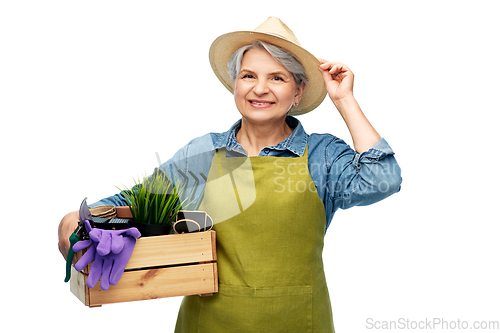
270	225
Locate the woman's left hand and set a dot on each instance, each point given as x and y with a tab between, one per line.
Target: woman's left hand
339	79
339	82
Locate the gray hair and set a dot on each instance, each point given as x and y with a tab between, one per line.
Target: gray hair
282	56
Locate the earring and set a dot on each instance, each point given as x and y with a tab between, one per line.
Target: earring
296	104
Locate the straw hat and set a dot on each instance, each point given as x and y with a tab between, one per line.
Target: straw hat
274	32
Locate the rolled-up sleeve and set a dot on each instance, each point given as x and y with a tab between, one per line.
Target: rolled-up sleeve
356	179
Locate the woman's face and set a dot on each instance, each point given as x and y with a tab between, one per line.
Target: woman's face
264	89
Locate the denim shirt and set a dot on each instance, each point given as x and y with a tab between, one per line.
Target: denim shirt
343	177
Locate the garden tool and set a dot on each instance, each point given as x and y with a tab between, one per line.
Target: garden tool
80	232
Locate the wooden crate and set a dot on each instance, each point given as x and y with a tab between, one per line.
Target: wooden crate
160	266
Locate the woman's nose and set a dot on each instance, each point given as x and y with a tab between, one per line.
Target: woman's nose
261	87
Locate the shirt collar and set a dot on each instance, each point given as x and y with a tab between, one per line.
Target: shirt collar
295	143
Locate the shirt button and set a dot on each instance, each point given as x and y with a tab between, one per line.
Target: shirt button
266	151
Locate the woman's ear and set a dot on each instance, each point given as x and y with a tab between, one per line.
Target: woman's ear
300	91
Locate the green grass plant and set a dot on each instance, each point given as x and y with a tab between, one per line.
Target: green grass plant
155	200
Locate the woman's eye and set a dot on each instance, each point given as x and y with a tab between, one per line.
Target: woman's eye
248	76
277	78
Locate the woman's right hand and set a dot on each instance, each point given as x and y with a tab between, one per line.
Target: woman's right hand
66	227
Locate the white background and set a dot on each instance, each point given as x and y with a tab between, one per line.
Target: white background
90	90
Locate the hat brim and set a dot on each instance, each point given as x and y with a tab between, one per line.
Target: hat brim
224	46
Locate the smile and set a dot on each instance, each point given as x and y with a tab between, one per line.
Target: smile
261	104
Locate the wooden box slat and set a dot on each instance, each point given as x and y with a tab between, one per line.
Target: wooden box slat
170	250
149	284
173	249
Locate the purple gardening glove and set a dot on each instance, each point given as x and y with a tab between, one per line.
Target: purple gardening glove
110	250
113	250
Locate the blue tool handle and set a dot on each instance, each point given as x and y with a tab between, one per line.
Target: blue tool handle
69	259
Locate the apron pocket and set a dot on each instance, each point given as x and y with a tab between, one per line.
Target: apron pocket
242	309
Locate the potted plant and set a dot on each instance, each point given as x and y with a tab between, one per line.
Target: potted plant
154	203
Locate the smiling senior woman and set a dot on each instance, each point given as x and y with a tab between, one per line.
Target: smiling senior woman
272	189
